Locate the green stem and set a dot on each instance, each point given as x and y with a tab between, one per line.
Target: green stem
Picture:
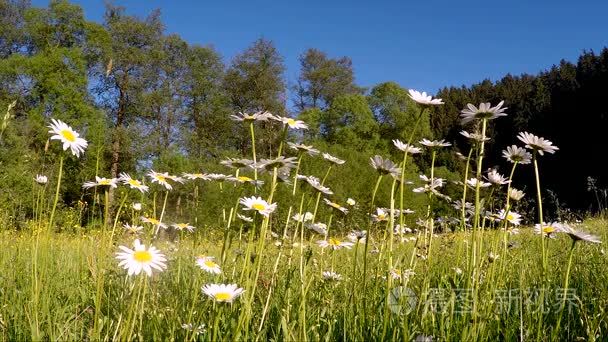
51	219
464	192
402	183
255	169
477	191
162	213
566	282
540	214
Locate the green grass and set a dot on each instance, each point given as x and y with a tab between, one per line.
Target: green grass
79	280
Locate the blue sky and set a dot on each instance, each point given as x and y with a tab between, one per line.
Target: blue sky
423	45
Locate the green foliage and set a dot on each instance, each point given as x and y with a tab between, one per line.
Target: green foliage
322	80
397	113
350	122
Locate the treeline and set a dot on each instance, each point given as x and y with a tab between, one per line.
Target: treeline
564	104
144	99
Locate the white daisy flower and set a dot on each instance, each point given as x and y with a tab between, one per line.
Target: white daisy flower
335	206
139	258
244	218
320	228
351	202
407	148
316	184
513	217
357	236
176	179
281	162
125	178
434	143
258	204
548	230
401	230
474	136
334	244
237	163
515	194
219	177
484	112
153	222
160	178
194	176
578	235
133	229
136	206
248	180
496	178
474	181
68	137
384	166
100	181
258	116
381	215
182	226
541	145
291	123
517	154
207	264
423	98
41	179
222	292
307	216
304	148
333	159
331	276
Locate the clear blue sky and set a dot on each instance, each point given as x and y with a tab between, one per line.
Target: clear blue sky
422	45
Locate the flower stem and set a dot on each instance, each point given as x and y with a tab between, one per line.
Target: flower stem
540	213
50	226
566	282
255	169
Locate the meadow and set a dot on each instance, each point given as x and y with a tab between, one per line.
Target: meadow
313	265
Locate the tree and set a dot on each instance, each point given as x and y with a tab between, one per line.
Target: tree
121	79
254	82
322	79
48	77
397	113
349	121
208	129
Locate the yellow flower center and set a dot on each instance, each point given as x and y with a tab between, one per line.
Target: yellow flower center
510	217
161	178
134	182
334	242
181	225
142	256
244	179
259	206
104	182
291	122
210	264
222	296
68	135
154	221
381	216
548	229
